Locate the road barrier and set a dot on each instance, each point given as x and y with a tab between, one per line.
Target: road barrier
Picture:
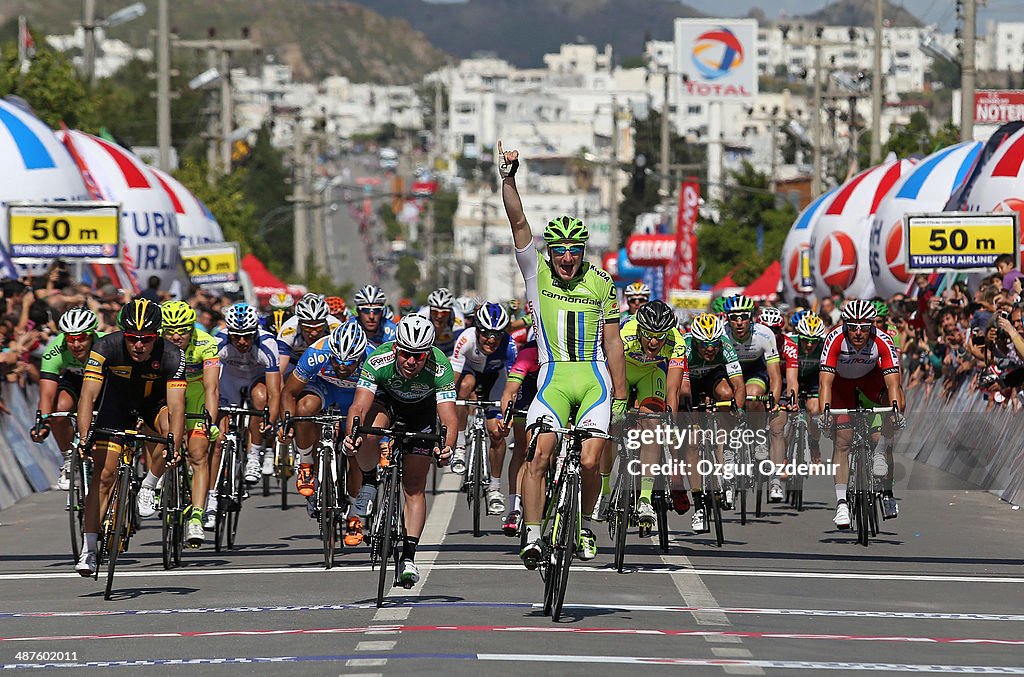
965	439
25	466
959	436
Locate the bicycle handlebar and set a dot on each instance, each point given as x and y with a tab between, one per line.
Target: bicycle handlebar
478	403
229	410
398	433
134	435
863	410
541	426
42	418
320	419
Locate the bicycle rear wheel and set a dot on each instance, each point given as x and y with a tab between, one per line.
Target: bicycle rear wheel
567	539
76	500
233	516
715	514
660	503
118	536
618	518
388	533
475	484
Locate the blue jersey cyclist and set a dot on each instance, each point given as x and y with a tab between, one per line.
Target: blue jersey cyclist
481	361
324	377
372	315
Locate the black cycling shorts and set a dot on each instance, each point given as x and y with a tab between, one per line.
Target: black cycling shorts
417	416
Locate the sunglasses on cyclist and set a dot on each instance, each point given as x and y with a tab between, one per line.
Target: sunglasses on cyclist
144	339
491	335
177	331
858	326
346	363
411	354
371	310
706	346
76	337
249	336
655	335
636	299
739	316
561	249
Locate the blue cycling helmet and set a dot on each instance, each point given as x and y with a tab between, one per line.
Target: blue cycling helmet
797	316
492	317
739	304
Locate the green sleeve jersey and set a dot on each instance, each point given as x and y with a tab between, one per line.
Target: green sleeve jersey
57	359
380	372
569	317
672	353
201	352
725	357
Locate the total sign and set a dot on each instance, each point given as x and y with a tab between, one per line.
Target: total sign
717	59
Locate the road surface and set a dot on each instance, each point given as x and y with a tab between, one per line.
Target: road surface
941	590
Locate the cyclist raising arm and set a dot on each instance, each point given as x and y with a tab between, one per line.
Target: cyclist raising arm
581	357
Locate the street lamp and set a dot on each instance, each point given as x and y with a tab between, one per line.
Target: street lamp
90	24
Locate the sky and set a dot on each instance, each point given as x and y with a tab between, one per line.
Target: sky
941	12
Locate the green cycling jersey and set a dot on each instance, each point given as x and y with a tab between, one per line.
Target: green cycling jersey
57	359
725	357
380	371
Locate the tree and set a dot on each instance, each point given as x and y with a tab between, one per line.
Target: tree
50	85
408	275
647	139
733	241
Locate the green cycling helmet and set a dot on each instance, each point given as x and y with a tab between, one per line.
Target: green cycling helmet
718	305
565	229
881	308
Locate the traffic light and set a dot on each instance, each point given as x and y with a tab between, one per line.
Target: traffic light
639	175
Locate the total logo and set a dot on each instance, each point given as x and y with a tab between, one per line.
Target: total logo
894	253
838	260
716	53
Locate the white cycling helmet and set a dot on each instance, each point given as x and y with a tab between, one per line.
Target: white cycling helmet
281	300
312	309
707	328
859	310
242	318
415	333
347	342
78	320
370	295
771	317
466	305
441	299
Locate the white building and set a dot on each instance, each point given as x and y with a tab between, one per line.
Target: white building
1007	46
111	55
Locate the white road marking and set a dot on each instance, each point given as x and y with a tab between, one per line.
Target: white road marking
392	614
375	646
581	569
365	662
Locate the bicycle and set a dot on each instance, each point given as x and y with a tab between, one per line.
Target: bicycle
798	452
478	462
622	508
330	491
118	522
563	520
389	522
713	486
750	475
175	499
864	490
230	488
284	470
79	475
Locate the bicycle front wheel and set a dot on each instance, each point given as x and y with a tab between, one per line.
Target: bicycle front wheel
169	516
568	536
327	517
622	499
122	497
76	502
476	481
388	532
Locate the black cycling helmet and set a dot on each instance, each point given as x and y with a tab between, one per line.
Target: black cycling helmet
139	316
656	317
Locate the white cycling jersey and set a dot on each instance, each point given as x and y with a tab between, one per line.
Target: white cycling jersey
292	343
759	345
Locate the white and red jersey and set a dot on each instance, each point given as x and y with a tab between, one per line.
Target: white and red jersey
840	358
788	351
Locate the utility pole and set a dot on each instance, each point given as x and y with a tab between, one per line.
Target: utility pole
320	225
163	86
967	72
301	232
89	48
481	252
613	188
816	125
663	188
220	123
876	89
435	152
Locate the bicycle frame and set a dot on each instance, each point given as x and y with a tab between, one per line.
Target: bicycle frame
229	473
78	480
